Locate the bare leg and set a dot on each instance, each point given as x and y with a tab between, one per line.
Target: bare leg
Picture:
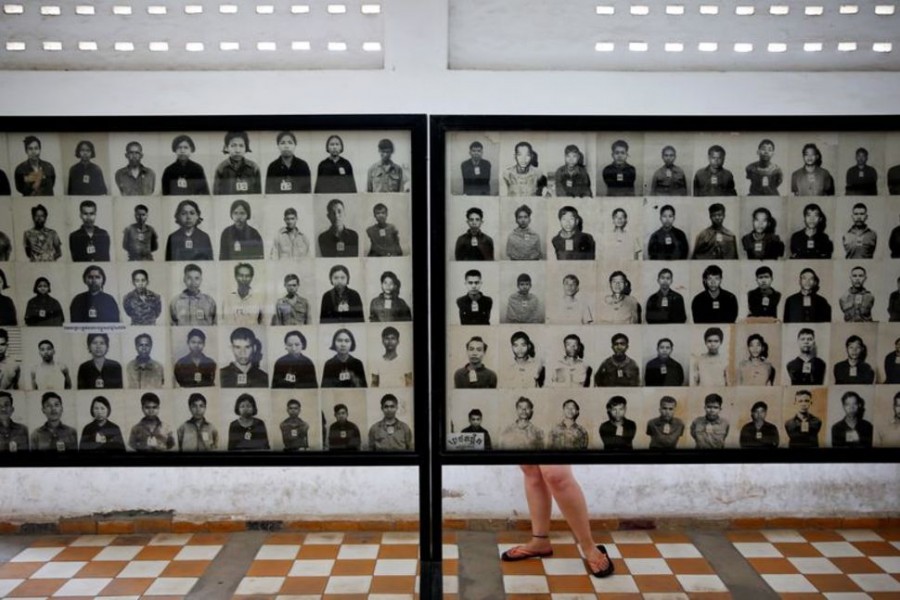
540	504
570	499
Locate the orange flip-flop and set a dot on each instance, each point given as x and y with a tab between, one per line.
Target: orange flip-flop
522	553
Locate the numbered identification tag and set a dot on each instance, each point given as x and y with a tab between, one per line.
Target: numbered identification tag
241	185
620	430
857	299
13	446
474	306
860	173
100	439
388	303
343	306
473	241
188	244
343	435
151	441
759	435
248	436
91	249
810	244
804	426
852	436
758	247
663	370
182	183
473	376
237	246
668	240
342	171
140	236
199	314
620	373
715	305
664	303
42	313
667	429
294	433
477	170
668	173
390	430
92	313
765	181
344	376
286	185
382	233
709	428
242	379
204	435
853	371
714	180
61	445
290	378
198	377
807	301
807	367
720	238
85	179
569	183
570	245
341	246
765	301
620	177
811	177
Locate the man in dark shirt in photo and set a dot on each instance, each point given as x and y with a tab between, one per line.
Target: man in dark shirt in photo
474	374
474	244
803	428
474	307
663	370
714	304
89	243
475	420
716	242
763	299
476	172
806	368
666	305
668	242
759	433
666	429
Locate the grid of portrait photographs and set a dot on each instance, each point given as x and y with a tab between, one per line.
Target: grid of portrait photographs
630	291
206	291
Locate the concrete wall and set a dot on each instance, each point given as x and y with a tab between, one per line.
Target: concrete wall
415	79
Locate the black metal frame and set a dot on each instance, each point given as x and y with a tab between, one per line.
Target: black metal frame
441	125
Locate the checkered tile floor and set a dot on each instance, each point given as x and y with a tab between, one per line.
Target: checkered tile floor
377	566
650	565
838	565
128	566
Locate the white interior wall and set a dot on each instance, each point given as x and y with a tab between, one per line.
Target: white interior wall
416	80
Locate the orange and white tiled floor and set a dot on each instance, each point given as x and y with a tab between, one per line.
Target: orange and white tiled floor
131	566
838	564
650	565
646	563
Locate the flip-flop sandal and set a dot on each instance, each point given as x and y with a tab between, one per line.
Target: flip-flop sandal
521	553
606	571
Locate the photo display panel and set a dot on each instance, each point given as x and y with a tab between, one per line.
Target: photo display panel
207	290
680	289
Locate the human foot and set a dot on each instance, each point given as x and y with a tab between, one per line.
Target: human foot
599	563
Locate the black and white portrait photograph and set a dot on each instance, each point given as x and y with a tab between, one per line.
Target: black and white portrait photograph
474	168
668	164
